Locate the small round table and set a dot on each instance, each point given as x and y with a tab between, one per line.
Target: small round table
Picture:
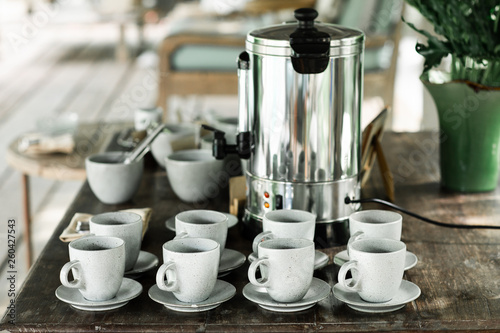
90	138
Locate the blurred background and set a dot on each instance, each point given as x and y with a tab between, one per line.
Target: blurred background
100	60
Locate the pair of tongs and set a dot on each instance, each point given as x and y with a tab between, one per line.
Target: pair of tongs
143	147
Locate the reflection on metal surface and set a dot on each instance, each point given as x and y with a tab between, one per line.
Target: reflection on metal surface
325	199
305	128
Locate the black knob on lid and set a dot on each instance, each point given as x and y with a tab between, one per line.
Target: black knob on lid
310	47
305	16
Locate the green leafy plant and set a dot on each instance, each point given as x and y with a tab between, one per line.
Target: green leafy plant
469	31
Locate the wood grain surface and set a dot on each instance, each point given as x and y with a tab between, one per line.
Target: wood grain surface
458	270
90	138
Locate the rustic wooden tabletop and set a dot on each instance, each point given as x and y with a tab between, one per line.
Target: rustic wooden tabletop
458	271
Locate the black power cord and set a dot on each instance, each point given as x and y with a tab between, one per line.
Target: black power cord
425	219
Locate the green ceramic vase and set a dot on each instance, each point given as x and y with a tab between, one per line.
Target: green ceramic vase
469	121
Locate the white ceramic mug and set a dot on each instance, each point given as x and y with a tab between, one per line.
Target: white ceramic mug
374	223
124	225
190	267
144	117
97	264
378	264
286	223
202	224
287	267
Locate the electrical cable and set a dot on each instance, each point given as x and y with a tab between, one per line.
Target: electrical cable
425	219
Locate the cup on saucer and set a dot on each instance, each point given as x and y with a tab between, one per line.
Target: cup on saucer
202	224
286	223
97	264
124	225
374	223
190	268
377	266
129	290
286	266
318	291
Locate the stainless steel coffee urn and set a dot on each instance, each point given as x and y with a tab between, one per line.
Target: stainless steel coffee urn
300	90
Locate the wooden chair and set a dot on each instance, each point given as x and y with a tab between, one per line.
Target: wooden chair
226	34
197	81
200	79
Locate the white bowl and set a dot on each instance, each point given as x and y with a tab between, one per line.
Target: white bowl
113	182
195	175
175	137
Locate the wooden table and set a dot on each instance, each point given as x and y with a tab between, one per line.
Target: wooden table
90	138
458	270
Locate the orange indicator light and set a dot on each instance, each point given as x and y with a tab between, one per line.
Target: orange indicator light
266	204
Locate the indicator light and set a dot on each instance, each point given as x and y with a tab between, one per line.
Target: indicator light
266	195
266	204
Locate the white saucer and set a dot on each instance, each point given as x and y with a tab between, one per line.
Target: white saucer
145	262
129	289
320	259
318	291
229	261
342	257
231	221
223	291
407	292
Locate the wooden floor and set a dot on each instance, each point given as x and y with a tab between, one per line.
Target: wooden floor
63	69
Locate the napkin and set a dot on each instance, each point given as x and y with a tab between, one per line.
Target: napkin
41	143
70	233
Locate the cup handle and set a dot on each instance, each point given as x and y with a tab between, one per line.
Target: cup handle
264	282
355	237
181	235
263	236
77	279
162	274
350	265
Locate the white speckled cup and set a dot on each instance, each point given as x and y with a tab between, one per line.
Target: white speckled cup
286	223
287	267
201	223
111	181
190	268
376	224
97	264
379	266
124	225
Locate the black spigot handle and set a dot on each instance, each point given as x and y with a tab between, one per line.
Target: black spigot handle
310	46
219	147
244	145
